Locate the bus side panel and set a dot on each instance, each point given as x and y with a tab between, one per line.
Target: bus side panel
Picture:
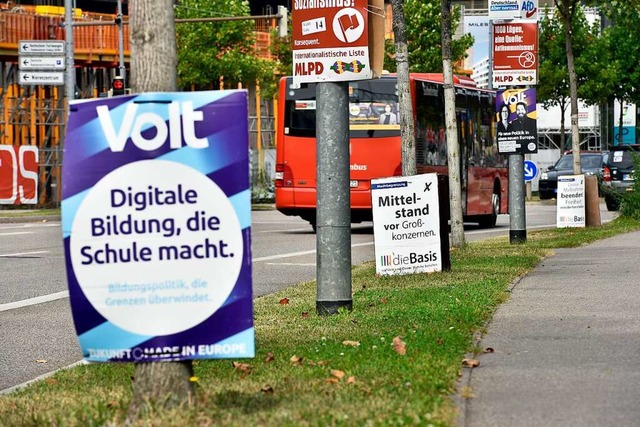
372	158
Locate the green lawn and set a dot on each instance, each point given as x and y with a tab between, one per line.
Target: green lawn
393	360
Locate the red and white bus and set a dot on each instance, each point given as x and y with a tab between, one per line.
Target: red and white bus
375	145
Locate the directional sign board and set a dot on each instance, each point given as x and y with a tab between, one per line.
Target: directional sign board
42	63
41	78
41	47
530	170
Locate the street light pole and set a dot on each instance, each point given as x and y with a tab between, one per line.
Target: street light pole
121	69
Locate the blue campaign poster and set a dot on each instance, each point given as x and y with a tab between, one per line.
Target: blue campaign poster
156	216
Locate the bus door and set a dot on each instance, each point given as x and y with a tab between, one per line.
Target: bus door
462	120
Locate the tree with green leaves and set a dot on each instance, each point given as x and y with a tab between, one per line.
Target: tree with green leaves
423	22
567	10
624	54
590	65
210	50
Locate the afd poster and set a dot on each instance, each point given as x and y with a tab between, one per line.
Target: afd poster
156	226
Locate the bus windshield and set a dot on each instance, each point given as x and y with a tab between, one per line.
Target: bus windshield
373	112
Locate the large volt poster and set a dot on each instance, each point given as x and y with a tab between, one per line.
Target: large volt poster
156	226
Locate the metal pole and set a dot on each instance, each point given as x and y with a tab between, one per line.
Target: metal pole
333	207
121	69
517	215
70	80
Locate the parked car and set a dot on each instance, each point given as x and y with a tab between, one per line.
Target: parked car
591	163
617	175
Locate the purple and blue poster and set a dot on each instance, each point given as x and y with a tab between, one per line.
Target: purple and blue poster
517	121
156	217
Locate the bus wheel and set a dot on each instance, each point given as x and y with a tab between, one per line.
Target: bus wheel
489	221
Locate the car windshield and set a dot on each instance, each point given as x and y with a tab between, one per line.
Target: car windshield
586	162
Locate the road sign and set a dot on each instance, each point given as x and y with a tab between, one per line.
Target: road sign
41	47
530	170
42	63
41	78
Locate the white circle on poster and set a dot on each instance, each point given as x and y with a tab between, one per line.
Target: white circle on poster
348	25
156	247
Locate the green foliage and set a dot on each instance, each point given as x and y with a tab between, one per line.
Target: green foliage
630	201
208	51
623	49
589	49
424	32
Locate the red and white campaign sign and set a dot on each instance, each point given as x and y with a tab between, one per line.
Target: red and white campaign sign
18	174
330	41
515	54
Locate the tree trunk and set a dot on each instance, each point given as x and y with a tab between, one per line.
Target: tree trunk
621	123
453	146
573	86
157	385
407	132
153	46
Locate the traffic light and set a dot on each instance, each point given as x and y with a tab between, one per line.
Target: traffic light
117	86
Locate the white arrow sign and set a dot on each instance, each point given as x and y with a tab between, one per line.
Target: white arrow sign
41	78
42	63
530	170
41	47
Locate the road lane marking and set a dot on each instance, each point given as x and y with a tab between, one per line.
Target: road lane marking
294	254
24	253
16	233
295	264
34	301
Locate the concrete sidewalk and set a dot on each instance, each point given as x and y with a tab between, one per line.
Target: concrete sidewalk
566	344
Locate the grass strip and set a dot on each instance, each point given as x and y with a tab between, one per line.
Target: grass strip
393	360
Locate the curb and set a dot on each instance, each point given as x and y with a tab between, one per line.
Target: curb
28	218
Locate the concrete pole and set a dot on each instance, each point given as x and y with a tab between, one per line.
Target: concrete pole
517	213
70	74
333	212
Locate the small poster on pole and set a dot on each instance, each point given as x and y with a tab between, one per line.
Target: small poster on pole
406	224
571	201
156	217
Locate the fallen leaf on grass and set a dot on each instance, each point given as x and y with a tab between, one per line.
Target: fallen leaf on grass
267	389
338	374
284	301
296	360
351	380
351	343
331	380
270	358
384	300
305	314
245	368
41	361
471	363
399	346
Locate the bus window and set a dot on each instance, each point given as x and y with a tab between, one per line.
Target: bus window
373	110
